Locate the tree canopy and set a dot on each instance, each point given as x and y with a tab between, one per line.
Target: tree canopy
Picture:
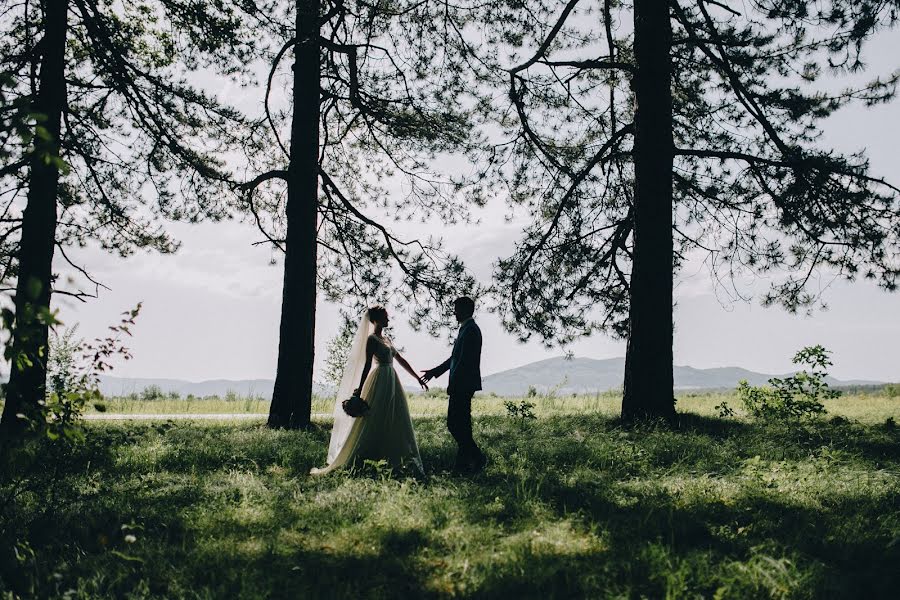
104	135
755	189
395	101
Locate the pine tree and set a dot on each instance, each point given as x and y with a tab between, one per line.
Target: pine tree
370	111
695	130
104	133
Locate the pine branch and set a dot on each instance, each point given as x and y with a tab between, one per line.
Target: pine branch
249	187
13	167
597	63
254	183
389	239
545	45
290	43
798	162
599	157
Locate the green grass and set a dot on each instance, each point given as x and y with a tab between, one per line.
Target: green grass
869	408
569	506
214	404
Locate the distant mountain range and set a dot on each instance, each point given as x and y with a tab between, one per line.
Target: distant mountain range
581	375
122	386
564	375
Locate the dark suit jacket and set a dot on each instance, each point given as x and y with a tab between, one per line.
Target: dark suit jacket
465	362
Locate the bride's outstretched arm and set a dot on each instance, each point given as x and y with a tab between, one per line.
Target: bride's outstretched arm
370	352
411	371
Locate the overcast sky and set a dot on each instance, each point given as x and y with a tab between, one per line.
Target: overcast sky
212	310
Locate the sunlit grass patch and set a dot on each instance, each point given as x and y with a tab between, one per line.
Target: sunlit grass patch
867	408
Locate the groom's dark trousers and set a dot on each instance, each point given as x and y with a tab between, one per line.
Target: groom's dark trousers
465	379
459	422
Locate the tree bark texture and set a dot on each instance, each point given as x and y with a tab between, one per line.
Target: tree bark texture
28	381
292	398
648	387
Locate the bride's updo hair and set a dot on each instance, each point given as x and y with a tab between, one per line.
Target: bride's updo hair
377	313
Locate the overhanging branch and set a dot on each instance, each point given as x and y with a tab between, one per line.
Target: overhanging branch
80	295
389	239
249	187
260	179
596	63
798	163
545	45
278	57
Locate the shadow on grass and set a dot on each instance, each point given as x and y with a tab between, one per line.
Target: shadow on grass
843	547
572	506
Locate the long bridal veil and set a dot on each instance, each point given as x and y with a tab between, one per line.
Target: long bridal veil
356	362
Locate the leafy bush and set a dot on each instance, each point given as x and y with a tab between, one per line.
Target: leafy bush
795	397
62	360
151	393
54	430
892	390
434	392
522	410
724	410
73	368
75	378
338	352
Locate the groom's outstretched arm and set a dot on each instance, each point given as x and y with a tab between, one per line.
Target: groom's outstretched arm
436	371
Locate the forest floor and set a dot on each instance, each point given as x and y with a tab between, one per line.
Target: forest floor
570	505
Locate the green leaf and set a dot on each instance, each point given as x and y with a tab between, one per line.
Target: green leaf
126	557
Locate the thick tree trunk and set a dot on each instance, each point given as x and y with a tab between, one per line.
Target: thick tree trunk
292	398
27	382
648	389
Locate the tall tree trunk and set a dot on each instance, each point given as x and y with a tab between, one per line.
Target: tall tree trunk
28	380
292	397
648	389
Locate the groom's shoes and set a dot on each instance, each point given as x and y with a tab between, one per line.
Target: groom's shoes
472	466
479	463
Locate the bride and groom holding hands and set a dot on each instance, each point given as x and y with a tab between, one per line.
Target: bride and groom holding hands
385	432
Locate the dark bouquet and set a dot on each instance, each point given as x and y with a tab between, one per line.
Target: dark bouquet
355	406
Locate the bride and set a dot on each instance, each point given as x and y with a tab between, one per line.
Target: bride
386	431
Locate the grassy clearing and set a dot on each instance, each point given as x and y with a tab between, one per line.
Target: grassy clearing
868	408
570	505
213	404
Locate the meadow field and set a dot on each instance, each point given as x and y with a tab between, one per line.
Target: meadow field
572	504
865	407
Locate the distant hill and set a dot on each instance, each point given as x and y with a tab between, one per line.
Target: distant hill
583	375
122	386
567	376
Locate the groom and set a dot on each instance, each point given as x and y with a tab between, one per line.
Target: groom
465	379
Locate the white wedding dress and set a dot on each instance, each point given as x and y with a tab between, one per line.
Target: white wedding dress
386	431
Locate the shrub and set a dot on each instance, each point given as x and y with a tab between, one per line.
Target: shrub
62	360
338	352
724	410
523	410
151	393
795	397
434	392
